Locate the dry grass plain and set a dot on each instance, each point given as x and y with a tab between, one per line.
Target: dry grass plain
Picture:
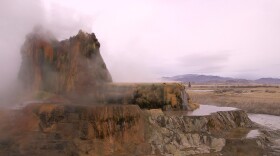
253	99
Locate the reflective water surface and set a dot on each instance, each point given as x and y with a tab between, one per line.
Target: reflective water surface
201	111
208	109
253	133
198	90
269	121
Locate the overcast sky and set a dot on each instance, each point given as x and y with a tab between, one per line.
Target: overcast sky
143	40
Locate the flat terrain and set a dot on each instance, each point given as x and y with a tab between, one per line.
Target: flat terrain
261	99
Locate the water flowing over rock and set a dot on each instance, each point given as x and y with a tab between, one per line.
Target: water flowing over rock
56	129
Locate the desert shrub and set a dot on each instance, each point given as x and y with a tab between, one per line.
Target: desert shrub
219	91
238	91
270	91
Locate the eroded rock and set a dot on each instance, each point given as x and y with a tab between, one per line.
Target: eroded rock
165	96
44	129
65	129
73	70
189	135
73	66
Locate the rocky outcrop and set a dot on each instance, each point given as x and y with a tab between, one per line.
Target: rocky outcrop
51	129
165	96
189	135
74	70
55	129
63	67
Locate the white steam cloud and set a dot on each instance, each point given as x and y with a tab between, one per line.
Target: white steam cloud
142	40
17	18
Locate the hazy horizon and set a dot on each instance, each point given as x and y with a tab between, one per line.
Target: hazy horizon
148	39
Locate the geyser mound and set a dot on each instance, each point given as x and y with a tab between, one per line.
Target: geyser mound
70	67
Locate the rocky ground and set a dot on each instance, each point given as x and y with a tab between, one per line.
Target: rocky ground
202	135
56	129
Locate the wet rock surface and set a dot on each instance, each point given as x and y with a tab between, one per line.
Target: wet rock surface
165	96
84	117
56	129
50	129
73	66
189	135
73	70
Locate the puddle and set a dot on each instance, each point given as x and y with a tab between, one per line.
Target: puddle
201	111
253	134
209	109
270	121
198	90
239	133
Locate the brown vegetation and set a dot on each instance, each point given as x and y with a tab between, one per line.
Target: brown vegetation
253	99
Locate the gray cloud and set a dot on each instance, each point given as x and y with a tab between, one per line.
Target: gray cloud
204	62
205	59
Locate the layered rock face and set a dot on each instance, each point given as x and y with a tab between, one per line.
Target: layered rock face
55	129
51	129
70	66
190	135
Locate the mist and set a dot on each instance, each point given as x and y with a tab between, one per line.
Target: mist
144	40
18	18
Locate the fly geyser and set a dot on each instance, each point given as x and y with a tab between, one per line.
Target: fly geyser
72	66
115	119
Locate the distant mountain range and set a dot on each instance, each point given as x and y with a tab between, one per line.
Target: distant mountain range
194	78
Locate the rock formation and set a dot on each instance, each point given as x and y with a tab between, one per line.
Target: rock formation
55	129
72	66
171	96
116	119
118	130
188	135
164	96
75	69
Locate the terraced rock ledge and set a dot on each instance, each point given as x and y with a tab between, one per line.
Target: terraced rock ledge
57	129
74	109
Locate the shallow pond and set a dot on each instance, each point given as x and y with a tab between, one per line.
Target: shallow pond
200	90
208	109
270	121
